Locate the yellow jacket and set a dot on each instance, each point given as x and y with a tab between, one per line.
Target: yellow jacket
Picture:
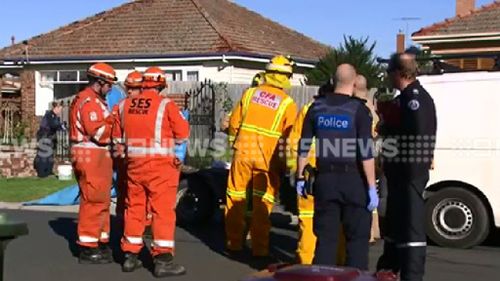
294	138
264	116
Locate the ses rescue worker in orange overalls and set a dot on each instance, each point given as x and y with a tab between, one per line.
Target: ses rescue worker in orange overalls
152	125
133	85
260	122
90	135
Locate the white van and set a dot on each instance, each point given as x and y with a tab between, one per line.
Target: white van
463	194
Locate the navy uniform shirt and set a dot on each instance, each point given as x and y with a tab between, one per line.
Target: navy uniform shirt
353	121
416	132
50	124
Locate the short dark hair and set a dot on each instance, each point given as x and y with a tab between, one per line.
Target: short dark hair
55	104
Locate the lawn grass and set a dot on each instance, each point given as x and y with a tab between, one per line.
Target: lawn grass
27	189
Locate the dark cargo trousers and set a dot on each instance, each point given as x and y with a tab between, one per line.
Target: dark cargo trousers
341	198
405	238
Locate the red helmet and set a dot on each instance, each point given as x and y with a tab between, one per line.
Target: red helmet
103	71
154	77
134	80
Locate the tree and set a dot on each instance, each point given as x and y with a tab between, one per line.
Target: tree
358	52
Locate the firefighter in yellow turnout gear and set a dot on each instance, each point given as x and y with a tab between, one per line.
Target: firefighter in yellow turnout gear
307	240
260	122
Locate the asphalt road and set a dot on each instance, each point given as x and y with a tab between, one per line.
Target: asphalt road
48	254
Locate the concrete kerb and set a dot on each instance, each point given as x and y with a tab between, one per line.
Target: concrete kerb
56	209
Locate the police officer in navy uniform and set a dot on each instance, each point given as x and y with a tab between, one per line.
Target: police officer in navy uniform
47	140
407	171
344	189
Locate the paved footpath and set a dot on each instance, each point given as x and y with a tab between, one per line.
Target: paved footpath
48	253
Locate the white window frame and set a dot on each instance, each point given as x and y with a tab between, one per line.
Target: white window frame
58	76
193	72
44	91
175	71
184	70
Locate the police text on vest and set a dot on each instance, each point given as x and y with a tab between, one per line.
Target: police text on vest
333	122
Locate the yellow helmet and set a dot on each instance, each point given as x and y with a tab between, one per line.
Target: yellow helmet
281	64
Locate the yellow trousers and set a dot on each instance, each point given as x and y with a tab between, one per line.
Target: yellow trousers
264	180
307	239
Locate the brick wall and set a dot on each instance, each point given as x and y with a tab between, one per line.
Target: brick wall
17	163
179	99
27	78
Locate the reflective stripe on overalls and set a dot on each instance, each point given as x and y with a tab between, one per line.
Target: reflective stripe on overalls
157	148
291	161
272	132
80	138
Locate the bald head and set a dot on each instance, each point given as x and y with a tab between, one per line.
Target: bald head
345	78
345	75
361	87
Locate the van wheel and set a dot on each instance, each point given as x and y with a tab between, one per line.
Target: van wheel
194	203
456	218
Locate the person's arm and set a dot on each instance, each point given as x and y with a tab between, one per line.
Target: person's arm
289	119
95	124
293	140
418	112
366	148
369	169
308	133
419	120
55	123
236	118
43	130
365	142
179	125
117	132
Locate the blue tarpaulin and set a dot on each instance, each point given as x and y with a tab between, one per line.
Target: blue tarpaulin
68	196
65	197
71	194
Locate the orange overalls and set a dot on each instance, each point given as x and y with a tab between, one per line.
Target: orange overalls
258	126
120	164
90	131
306	243
151	126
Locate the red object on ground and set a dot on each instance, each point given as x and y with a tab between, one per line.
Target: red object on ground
317	273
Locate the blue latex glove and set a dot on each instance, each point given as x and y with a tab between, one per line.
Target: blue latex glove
374	200
180	151
300	186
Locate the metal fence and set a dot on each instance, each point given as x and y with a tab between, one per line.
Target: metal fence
225	96
61	152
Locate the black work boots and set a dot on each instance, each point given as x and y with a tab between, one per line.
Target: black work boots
165	267
131	263
99	255
163	264
106	251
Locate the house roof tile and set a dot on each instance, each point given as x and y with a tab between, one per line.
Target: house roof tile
483	20
170	27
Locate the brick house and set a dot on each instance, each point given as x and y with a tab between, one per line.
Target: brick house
191	39
472	31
